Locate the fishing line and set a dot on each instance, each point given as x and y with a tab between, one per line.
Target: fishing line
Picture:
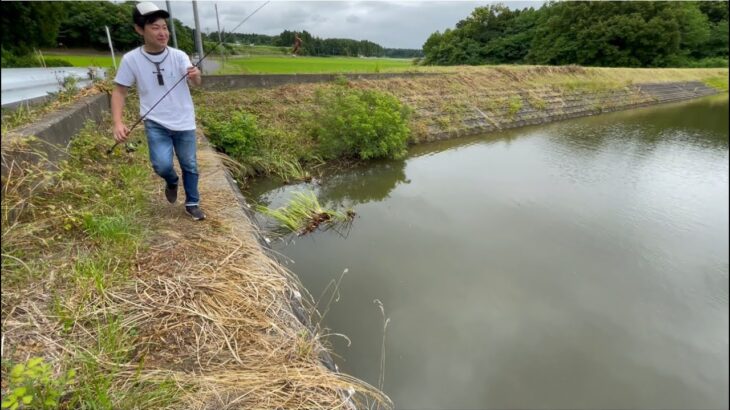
109	151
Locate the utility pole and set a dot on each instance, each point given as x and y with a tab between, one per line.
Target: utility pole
198	38
111	47
220	36
172	24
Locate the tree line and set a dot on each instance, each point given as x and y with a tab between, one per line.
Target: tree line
315	46
600	33
80	24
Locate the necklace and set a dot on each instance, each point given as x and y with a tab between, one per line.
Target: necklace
160	79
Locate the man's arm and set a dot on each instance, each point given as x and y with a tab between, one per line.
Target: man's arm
119	94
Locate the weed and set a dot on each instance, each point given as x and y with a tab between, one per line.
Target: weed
364	124
720	83
514	106
32	385
14	118
304	344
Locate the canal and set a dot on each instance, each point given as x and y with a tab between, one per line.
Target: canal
581	264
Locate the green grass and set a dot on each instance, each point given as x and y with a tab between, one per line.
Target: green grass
302	65
74	238
88	60
267	60
720	83
14	118
515	105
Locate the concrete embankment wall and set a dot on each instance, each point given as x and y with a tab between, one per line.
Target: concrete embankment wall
54	131
479	100
503	109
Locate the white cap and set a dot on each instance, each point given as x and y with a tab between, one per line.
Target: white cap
146	7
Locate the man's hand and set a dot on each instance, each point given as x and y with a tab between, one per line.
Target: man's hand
121	132
194	75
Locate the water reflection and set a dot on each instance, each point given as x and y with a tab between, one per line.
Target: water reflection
702	123
362	183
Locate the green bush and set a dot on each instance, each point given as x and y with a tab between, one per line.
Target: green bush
707	62
710	62
363	124
237	136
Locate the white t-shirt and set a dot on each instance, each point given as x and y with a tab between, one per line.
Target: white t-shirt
176	111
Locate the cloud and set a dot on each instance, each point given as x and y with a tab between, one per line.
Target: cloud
392	24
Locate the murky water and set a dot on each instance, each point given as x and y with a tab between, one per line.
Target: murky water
583	264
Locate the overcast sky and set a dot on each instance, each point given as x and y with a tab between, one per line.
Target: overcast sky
392	24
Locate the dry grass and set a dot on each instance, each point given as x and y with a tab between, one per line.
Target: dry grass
151	309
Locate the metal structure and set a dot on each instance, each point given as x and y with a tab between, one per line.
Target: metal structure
198	36
172	24
33	84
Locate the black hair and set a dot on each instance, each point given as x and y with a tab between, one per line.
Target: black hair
142	21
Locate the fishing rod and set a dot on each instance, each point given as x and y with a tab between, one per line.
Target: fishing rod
141	118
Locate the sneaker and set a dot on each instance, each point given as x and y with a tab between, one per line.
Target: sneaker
171	193
195	212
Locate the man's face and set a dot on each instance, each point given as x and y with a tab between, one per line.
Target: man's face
155	33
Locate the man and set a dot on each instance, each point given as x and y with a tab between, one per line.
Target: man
297	45
170	126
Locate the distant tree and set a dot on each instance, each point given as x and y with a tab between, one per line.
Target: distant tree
402	53
603	33
84	26
27	25
184	35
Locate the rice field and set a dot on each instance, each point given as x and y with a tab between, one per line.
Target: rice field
303	65
265	64
86	60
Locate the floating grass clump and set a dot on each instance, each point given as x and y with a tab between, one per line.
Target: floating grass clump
303	214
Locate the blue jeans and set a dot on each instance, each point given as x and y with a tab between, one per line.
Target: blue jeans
161	142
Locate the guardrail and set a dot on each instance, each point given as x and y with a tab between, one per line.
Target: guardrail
32	85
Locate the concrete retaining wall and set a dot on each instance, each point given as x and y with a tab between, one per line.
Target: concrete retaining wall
54	132
497	110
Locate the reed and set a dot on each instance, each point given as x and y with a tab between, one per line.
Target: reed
304	214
